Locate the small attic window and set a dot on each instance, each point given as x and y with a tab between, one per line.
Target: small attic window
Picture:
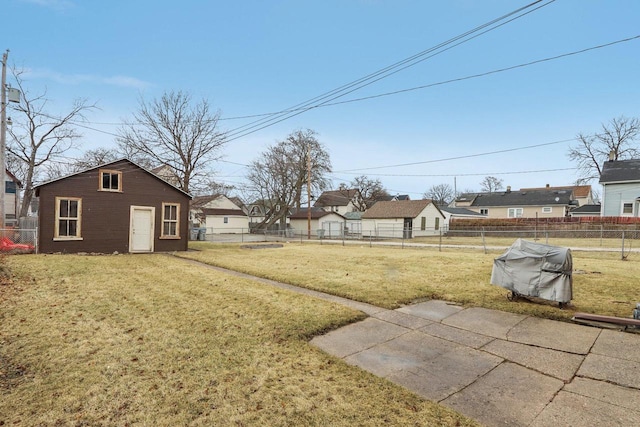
110	180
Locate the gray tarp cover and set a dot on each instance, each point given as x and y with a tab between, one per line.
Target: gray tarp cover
536	270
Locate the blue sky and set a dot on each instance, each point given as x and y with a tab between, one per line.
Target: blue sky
256	57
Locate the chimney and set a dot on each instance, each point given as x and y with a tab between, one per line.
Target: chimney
612	155
508	189
547	185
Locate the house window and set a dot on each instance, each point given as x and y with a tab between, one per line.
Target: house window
437	227
226	220
547	209
110	180
423	223
484	211
627	209
68	218
515	212
170	221
10	187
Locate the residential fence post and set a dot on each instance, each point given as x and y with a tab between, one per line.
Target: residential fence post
622	253
440	242
601	233
546	235
369	238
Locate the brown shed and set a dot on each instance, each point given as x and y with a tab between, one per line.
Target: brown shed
116	207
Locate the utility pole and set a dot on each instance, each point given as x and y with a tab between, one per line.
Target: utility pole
308	192
3	136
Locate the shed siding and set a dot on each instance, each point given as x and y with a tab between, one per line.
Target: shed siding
235	224
106	215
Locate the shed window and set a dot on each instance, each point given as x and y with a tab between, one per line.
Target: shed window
437	227
110	180
226	220
484	211
547	209
423	223
170	221
68	218
515	212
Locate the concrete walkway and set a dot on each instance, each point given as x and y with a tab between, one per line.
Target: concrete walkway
501	369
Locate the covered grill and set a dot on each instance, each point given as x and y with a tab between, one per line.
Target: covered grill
536	270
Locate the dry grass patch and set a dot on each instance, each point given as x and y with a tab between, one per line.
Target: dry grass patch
151	340
390	277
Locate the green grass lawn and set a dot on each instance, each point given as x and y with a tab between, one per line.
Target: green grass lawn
390	277
152	340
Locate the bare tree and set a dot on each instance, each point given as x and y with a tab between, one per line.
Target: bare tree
38	138
279	176
175	131
441	194
371	190
618	139
90	159
491	184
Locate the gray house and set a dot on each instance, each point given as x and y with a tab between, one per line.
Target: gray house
620	181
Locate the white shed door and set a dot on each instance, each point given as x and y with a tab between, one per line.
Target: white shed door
141	233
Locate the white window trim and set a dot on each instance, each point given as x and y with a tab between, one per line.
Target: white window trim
627	202
547	209
177	221
515	212
111	172
56	229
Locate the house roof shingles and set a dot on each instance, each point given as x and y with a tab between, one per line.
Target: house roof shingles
620	171
520	198
588	209
316	213
396	209
578	190
230	212
335	198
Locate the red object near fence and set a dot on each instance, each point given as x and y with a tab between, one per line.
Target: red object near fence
7	245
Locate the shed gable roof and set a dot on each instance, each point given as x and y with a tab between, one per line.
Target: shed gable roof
620	171
397	209
112	165
316	213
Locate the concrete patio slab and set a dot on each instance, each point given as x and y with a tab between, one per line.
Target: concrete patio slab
460	336
484	321
568	409
433	310
605	392
618	344
407	351
558	364
402	319
510	395
357	337
463	366
612	369
555	335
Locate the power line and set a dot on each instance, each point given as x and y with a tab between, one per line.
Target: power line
473	174
379	75
507	150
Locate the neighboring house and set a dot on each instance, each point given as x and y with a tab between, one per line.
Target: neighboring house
259	210
339	201
168	174
620	181
219	214
12	186
586	211
403	218
581	193
116	207
450	213
323	223
519	204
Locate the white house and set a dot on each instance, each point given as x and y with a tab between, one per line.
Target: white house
339	201
323	223
403	218
218	214
620	181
